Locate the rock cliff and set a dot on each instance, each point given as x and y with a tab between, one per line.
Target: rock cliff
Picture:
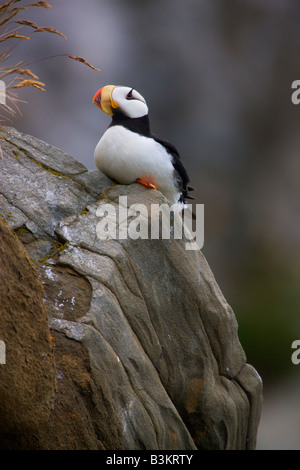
110	344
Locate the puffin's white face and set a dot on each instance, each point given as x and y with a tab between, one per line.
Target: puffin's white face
113	99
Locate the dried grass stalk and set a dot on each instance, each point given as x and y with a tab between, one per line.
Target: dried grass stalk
13	35
19	71
49	29
8	32
27	23
25	72
13	13
83	61
41	4
5	6
28	82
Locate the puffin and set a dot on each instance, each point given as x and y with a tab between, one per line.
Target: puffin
128	152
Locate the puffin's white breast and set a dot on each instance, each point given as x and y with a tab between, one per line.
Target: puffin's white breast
124	155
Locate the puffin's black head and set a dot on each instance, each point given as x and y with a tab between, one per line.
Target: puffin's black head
123	100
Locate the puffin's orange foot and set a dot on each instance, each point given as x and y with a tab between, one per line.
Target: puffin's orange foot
145	183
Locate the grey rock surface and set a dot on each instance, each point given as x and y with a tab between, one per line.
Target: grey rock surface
146	348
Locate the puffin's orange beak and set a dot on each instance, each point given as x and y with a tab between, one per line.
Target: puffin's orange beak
97	98
103	99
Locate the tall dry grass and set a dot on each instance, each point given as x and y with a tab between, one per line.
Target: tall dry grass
20	75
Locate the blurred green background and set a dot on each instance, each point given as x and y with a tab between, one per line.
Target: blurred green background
217	77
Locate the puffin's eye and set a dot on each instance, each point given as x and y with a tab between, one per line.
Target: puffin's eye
129	95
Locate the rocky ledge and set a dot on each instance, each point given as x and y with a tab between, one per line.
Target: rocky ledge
110	344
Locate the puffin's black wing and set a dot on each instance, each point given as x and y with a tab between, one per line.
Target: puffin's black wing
178	166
